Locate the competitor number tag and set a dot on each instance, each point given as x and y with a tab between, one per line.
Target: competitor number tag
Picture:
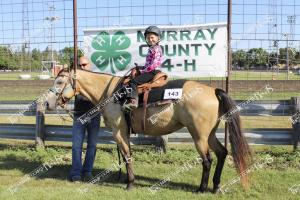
173	93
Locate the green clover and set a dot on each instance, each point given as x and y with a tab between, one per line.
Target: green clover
110	51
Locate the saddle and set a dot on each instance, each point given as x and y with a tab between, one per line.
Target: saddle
159	80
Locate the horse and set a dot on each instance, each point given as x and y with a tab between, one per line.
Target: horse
200	112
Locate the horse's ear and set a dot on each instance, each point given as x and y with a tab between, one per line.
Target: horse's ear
65	66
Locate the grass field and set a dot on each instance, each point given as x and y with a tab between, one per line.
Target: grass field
251	75
256	75
17	93
29	90
15	75
11	94
238	95
18	158
235	75
248	122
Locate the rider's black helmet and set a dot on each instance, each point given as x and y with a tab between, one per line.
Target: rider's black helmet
152	29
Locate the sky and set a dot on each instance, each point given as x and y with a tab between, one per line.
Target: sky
253	21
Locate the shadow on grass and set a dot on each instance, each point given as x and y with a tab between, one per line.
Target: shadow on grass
13	161
20	146
60	172
145	182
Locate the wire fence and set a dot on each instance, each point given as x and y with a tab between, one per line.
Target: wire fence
46	26
36	35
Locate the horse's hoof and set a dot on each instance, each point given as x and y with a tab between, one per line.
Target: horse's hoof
216	190
200	190
129	186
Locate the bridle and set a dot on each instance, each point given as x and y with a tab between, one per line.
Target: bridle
59	92
71	84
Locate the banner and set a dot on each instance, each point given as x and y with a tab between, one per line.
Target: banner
189	51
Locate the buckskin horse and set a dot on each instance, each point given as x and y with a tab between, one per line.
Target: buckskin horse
200	112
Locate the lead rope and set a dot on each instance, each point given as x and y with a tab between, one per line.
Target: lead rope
118	148
68	112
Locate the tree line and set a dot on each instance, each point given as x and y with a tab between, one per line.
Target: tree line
22	60
256	58
259	58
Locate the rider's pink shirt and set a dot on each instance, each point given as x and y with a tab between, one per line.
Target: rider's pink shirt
153	59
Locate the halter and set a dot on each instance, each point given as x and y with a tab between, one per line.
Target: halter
59	94
72	81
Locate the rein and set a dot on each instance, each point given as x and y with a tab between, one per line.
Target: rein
60	95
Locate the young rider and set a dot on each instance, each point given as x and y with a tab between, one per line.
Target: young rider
153	61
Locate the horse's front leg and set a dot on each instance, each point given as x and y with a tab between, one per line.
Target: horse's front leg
114	118
123	142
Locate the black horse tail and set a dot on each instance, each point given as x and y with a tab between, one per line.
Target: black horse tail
241	153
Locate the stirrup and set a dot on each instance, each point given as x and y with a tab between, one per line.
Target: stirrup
130	106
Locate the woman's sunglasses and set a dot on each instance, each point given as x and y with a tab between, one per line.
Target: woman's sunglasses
83	64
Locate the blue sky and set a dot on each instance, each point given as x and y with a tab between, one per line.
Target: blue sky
250	19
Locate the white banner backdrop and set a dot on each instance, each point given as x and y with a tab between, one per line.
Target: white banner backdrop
189	51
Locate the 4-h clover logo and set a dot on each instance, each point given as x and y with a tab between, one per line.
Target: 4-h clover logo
110	51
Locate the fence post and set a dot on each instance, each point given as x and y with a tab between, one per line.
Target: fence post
40	125
296	120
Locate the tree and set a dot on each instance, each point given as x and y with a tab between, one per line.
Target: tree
273	59
257	57
292	56
20	59
298	57
239	58
36	54
8	60
66	55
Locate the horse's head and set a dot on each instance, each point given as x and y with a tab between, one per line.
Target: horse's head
62	90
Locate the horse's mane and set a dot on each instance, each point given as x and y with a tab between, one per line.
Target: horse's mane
97	72
63	70
68	70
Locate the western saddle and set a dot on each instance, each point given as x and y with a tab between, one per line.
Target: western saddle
159	80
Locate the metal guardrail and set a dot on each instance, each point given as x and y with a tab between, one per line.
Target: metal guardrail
275	108
64	133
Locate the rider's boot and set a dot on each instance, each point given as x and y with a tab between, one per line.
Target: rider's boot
132	97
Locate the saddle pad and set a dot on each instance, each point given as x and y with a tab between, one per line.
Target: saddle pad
157	94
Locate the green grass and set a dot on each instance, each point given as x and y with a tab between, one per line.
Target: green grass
235	75
242	95
15	93
250	75
24	91
15	75
49	120
254	75
19	93
247	121
18	158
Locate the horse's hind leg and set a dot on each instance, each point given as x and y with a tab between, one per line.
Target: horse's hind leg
206	171
201	143
221	153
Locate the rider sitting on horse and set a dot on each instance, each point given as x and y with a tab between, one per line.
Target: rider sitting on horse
153	61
